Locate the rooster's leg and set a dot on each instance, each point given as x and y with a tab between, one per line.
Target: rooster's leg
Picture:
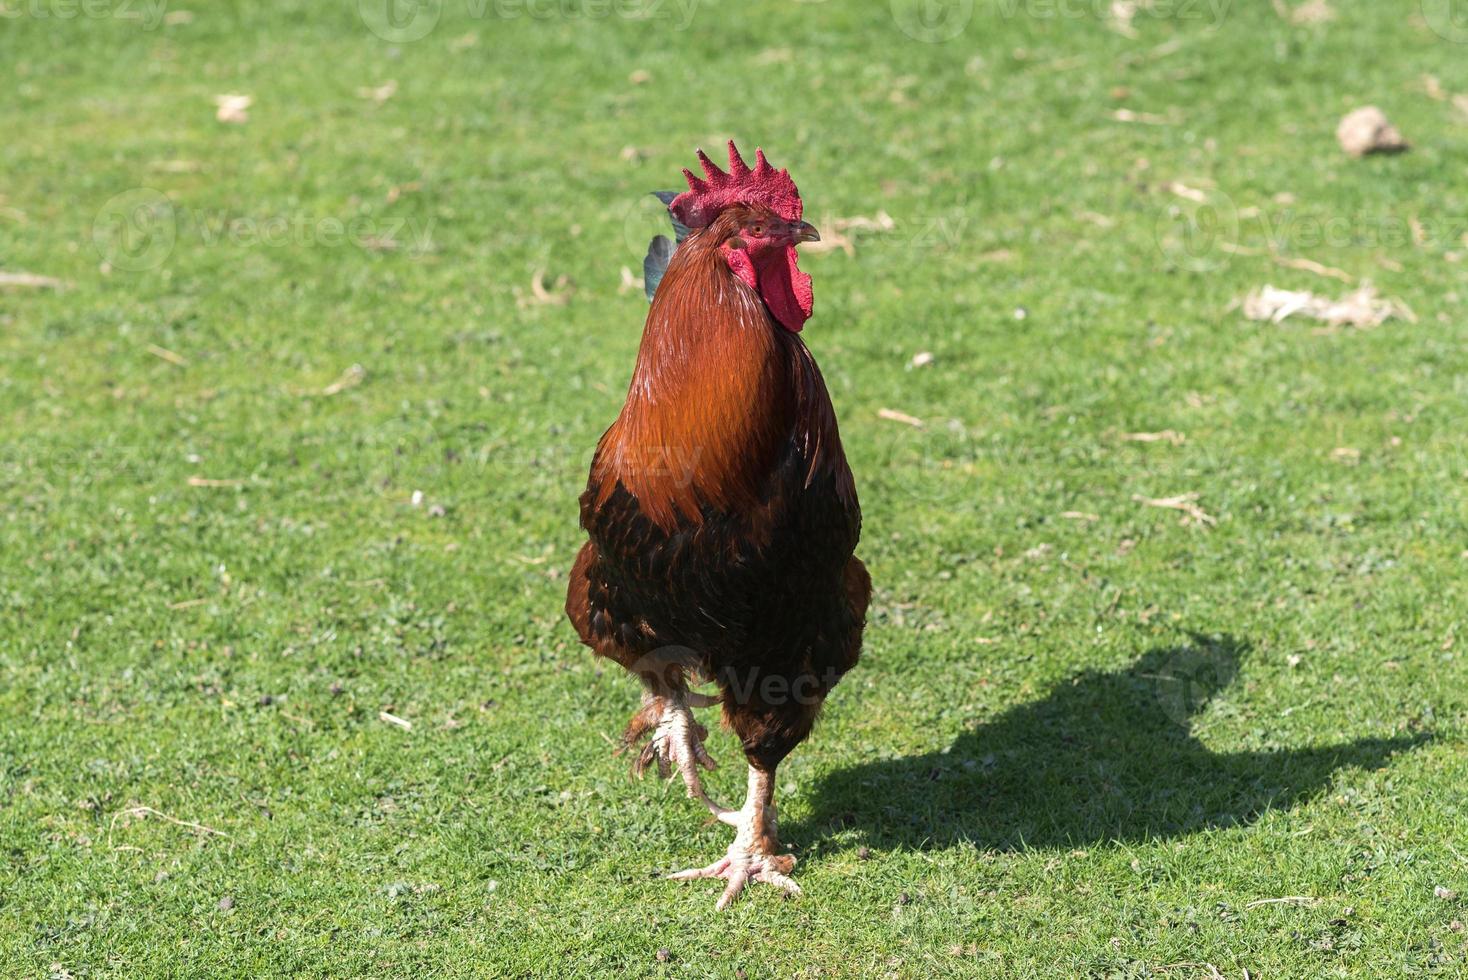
753	855
676	743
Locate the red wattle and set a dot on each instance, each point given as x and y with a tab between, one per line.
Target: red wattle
780	283
785	289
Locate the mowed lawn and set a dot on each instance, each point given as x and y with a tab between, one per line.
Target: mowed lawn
291	456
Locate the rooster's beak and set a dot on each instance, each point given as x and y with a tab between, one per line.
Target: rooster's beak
806	232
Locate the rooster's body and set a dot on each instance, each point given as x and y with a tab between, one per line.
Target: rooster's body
721	513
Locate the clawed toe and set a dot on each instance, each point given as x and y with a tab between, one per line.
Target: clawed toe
739	869
712	871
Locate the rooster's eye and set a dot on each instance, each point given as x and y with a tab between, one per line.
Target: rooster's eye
758	231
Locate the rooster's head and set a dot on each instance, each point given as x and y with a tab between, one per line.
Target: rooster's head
754	216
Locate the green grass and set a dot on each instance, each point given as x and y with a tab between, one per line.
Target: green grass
1075	746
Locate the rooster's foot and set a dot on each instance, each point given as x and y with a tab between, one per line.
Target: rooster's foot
739	867
752	856
677	745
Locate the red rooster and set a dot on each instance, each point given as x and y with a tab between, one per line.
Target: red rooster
721	513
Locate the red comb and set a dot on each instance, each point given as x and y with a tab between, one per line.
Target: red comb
701	203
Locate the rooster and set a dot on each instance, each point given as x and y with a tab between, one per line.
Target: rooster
721	514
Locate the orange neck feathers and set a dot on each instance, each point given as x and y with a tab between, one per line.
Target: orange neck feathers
718	392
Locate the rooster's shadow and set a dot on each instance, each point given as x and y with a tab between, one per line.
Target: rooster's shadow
1106	756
